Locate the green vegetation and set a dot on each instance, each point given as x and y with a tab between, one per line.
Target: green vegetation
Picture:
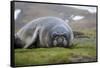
38	56
83	50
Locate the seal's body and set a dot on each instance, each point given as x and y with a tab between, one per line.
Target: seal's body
46	32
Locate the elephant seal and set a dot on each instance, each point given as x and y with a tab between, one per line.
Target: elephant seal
45	32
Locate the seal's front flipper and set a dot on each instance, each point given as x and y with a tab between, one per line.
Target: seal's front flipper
33	39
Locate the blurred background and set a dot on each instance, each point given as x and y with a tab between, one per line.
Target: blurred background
78	17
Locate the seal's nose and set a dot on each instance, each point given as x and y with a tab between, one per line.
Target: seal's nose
60	40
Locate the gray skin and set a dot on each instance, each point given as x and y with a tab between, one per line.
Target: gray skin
45	32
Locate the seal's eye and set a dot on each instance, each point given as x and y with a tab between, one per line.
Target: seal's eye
54	34
64	34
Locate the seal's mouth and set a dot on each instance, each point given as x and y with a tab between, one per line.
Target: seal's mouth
60	42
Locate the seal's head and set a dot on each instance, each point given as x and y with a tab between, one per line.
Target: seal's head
59	37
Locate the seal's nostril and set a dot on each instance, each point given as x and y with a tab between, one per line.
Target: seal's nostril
60	40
